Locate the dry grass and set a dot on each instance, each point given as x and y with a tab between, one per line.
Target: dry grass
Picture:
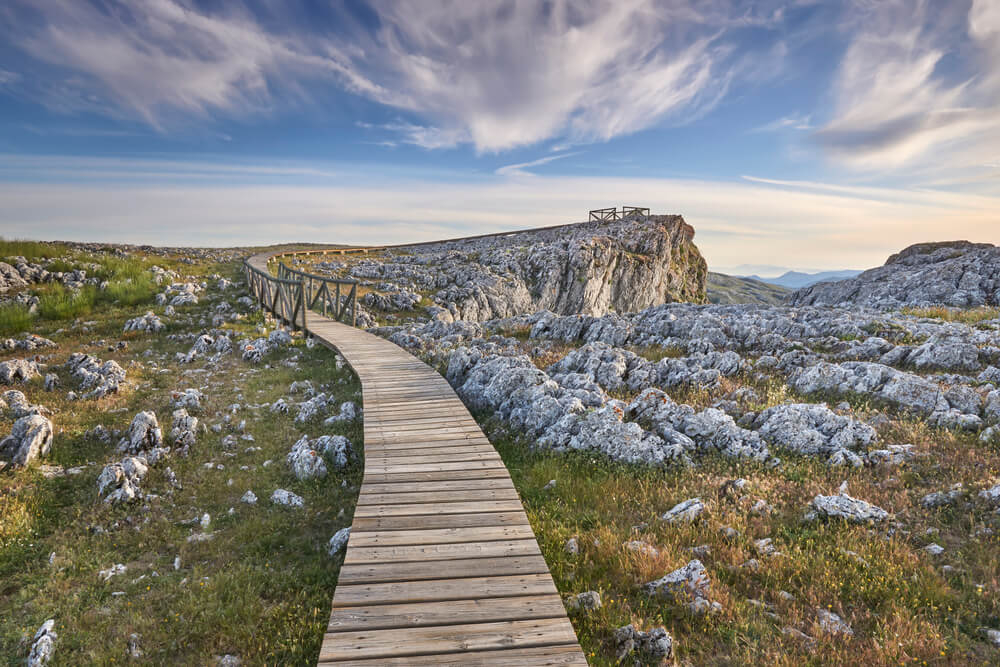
970	316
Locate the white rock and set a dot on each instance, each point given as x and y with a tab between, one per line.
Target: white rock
287	498
339	541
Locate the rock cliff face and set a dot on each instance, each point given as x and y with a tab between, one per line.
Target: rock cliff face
590	268
956	273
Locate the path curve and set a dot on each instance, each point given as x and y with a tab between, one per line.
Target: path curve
442	567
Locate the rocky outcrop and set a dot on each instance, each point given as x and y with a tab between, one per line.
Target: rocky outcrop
957	273
591	268
30	438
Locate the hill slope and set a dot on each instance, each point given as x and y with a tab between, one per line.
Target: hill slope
723	289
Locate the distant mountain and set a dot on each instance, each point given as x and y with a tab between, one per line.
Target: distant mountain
723	289
798	279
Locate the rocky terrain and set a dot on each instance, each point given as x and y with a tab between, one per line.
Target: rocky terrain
591	268
882	394
955	273
173	466
709	483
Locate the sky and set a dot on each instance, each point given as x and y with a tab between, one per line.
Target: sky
802	134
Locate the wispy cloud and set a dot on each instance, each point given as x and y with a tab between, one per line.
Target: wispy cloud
497	75
908	97
792	122
503	76
164	60
521	169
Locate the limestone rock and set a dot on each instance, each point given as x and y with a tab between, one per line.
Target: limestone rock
30	438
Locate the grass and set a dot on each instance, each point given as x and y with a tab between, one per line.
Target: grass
261	588
30	250
903	609
15	318
130	291
61	303
970	316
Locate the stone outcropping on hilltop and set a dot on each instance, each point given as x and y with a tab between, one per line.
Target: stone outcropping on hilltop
953	273
591	268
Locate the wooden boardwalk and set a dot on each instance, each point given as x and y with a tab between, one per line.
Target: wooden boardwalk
442	567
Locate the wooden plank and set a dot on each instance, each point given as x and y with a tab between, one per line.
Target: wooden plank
452	612
448	638
475	588
389	469
460	448
444	485
417	456
390	523
411	442
440	552
439	535
363	573
434	475
468	507
465	495
545	656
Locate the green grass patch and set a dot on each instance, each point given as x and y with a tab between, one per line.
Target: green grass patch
30	250
14	318
130	291
60	303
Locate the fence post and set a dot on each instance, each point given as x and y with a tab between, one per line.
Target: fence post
302	305
354	306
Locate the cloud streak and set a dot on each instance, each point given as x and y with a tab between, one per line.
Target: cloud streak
901	104
496	75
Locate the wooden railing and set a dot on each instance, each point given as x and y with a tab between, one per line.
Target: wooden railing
609	214
283	297
319	295
292	292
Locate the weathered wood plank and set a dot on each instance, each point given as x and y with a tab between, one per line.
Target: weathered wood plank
439	535
474	520
448	638
458	568
446	485
465	495
475	588
439	552
452	612
468	507
545	656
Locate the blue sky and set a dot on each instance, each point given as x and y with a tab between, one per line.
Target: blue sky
811	135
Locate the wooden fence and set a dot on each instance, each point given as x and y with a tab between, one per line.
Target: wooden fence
609	214
291	293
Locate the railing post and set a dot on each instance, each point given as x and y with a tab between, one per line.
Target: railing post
354	306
